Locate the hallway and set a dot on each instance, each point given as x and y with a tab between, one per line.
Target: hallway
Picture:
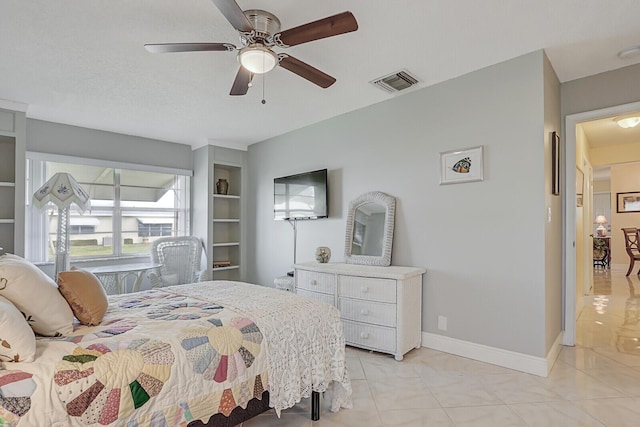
609	325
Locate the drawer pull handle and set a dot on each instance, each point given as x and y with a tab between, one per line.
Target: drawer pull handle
365	289
364	312
364	335
314	282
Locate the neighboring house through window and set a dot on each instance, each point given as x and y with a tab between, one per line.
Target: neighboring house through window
131	205
148	227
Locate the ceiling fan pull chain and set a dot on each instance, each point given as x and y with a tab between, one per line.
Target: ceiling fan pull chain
264	101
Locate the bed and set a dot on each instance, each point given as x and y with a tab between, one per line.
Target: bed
211	353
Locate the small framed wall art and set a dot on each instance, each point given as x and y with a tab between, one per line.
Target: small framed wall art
464	165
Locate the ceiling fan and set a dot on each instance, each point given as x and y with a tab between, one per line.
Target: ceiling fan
259	33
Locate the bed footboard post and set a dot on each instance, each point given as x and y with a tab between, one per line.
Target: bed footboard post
315	406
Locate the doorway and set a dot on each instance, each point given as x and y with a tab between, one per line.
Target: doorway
572	290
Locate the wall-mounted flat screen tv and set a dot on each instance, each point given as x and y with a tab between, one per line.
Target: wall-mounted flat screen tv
301	196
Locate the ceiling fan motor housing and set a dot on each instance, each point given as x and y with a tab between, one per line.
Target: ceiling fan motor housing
264	23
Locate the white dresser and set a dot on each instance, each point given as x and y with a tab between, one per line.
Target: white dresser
380	307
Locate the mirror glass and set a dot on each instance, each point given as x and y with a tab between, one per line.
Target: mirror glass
369	230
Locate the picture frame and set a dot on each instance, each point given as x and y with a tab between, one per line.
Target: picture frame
628	202
579	187
555	163
464	165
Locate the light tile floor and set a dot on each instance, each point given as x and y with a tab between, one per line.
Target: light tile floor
596	383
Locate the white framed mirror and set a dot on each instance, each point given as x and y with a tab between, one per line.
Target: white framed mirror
369	231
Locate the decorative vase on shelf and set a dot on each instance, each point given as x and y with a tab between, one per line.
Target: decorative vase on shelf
222	186
323	254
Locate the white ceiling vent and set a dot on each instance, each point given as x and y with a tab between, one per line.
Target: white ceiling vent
396	82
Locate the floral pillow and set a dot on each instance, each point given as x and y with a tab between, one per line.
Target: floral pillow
35	295
17	341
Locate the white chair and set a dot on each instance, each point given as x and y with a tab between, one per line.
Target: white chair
180	259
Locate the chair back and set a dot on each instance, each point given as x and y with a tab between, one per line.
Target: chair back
180	259
631	241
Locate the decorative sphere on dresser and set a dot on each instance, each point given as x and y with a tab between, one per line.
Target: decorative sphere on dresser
323	254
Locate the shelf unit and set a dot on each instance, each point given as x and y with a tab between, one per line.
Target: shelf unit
226	222
12	176
218	219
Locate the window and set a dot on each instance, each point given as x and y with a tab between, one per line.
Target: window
81	229
131	206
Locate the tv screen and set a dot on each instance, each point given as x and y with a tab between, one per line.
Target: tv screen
301	196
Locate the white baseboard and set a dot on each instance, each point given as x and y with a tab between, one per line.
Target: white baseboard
540	366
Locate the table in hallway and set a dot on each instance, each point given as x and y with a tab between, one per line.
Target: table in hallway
113	277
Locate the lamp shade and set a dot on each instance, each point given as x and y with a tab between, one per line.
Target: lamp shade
62	190
601	219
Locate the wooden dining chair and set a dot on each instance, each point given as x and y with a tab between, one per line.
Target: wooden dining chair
632	245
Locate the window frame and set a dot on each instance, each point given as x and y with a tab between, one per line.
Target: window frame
36	223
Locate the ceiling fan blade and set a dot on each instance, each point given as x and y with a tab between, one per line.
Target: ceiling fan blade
188	47
306	71
334	25
241	83
234	15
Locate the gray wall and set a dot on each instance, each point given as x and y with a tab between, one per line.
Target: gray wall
483	243
56	138
603	90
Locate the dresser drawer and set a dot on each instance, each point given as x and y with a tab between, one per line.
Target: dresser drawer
316	295
373	337
378	313
316	282
367	288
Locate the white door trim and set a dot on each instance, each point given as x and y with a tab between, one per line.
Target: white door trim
569	205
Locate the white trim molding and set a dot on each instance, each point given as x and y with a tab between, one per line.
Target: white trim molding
540	366
6	104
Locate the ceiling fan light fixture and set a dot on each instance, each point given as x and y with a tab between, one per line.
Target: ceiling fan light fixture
628	122
629	53
257	59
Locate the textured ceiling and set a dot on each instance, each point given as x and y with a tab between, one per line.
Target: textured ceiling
82	62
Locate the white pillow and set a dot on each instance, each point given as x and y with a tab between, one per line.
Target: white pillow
17	341
36	296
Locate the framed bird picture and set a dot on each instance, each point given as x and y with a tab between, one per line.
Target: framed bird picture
461	165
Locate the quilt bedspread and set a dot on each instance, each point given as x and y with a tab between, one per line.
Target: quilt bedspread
169	356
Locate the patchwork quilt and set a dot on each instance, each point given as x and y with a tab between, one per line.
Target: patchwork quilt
169	356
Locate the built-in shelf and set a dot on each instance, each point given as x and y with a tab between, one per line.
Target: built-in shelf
218	219
226	196
12	177
220	245
231	267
